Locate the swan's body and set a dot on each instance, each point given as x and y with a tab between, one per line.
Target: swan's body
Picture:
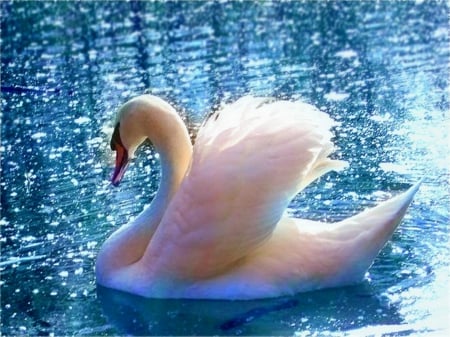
216	228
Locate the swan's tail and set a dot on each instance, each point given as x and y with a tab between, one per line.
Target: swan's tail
370	230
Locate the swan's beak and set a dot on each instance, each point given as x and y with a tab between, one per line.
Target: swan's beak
122	159
121	165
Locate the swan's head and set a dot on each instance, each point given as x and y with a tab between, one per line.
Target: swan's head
133	125
147	117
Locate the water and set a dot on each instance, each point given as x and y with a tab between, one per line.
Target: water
379	68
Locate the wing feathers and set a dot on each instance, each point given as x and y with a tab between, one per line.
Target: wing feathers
249	161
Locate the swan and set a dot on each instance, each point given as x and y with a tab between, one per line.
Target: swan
217	228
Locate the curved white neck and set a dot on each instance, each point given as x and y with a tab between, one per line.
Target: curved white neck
172	143
171	177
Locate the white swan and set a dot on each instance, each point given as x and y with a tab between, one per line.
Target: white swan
216	228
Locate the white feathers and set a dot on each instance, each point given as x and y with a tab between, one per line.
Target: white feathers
250	159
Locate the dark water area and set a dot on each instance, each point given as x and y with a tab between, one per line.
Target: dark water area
381	69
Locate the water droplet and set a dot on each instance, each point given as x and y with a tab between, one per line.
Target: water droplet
38	135
82	120
345	54
91	244
336	96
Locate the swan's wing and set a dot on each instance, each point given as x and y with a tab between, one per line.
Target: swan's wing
249	161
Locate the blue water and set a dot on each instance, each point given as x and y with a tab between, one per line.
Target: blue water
379	68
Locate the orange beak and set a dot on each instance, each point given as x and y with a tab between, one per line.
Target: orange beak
121	156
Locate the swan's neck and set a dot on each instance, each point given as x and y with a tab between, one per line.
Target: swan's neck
172	174
173	145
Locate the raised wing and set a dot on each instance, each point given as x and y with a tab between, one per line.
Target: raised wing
249	161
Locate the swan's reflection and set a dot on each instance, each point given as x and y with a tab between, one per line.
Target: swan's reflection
332	310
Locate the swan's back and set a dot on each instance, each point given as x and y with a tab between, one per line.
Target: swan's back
249	161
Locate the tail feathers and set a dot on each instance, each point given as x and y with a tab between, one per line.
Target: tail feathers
386	216
366	233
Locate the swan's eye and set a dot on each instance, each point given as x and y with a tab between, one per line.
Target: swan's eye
115	139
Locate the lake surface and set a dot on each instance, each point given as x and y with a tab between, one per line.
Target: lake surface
379	68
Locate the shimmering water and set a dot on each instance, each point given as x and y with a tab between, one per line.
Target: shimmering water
380	68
